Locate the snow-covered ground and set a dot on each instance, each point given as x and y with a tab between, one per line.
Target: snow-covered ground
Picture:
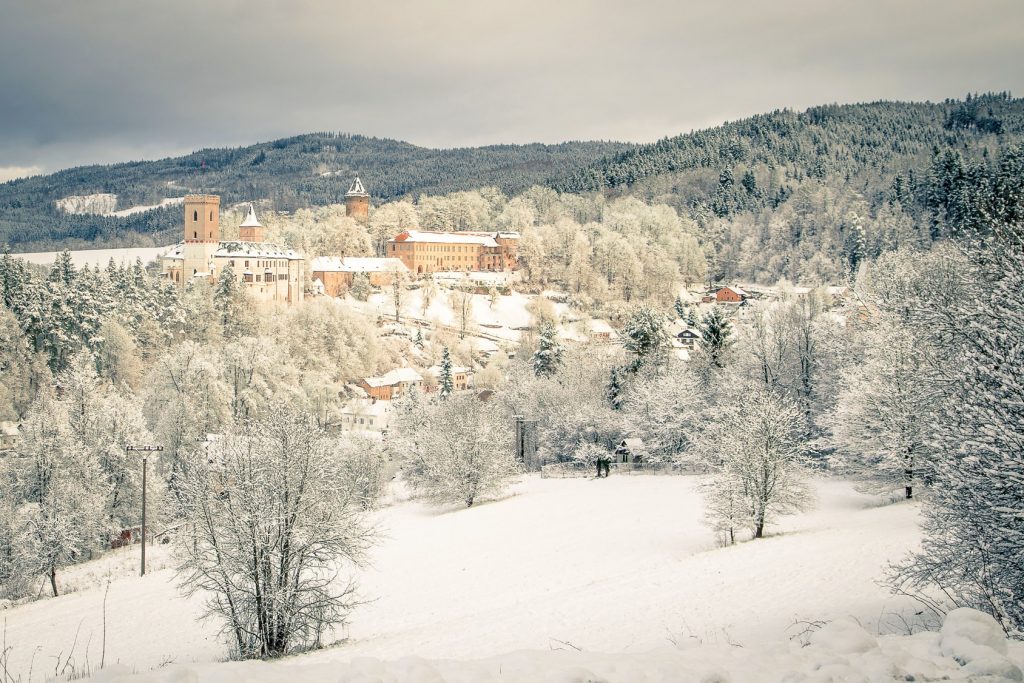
505	319
620	565
104	204
97	257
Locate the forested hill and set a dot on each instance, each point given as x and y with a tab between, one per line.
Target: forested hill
302	171
755	162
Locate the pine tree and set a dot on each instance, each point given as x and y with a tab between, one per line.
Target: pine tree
548	357
445	382
645	337
679	308
715	336
614	391
419	338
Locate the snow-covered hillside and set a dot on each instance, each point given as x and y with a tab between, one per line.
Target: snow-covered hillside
105	204
97	257
618	565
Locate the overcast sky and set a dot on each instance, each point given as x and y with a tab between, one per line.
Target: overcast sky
99	81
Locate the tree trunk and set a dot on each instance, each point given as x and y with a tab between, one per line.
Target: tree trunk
53	580
759	529
910	491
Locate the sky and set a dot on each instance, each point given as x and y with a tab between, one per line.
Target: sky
102	81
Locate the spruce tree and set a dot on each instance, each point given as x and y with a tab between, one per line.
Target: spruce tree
447	386
644	336
680	309
548	357
715	335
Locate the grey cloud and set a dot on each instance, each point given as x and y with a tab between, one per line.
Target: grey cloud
109	80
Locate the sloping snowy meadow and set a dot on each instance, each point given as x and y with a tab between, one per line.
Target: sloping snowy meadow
564	568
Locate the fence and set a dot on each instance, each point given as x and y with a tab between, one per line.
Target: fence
566	470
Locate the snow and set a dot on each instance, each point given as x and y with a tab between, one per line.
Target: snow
97	257
619	565
169	201
103	204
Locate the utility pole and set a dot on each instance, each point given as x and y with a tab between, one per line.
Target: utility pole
144	449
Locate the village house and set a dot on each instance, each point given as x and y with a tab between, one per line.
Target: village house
392	384
432	252
365	415
630	451
336	274
600	330
9	434
462	378
687	338
268	272
730	295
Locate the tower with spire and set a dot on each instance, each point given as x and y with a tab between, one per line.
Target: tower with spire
357	201
251	230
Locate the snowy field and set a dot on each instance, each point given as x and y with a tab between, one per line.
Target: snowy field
620	565
96	257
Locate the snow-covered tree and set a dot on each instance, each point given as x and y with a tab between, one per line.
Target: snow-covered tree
548	357
886	407
679	308
644	336
446	384
756	445
61	489
461	452
662	408
716	333
273	518
972	548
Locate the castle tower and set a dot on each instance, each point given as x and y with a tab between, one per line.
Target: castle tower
202	233
357	201
251	230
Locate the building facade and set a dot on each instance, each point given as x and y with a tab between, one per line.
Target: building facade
335	274
432	252
391	385
269	272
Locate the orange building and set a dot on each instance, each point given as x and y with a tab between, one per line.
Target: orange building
336	273
391	385
432	252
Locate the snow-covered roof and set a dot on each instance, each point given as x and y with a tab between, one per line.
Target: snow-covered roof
737	290
600	326
633	444
485	239
396	376
237	249
367	407
9	428
352	264
435	370
356	189
250	220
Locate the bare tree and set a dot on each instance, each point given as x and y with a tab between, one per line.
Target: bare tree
758	448
276	519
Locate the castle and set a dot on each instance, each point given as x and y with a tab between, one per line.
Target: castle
424	251
269	272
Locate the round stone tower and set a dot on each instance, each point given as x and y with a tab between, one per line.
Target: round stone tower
357	201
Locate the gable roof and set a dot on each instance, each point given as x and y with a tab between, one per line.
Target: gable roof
396	376
353	264
485	239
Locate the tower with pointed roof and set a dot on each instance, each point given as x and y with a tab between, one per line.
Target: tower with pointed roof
357	201
251	230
